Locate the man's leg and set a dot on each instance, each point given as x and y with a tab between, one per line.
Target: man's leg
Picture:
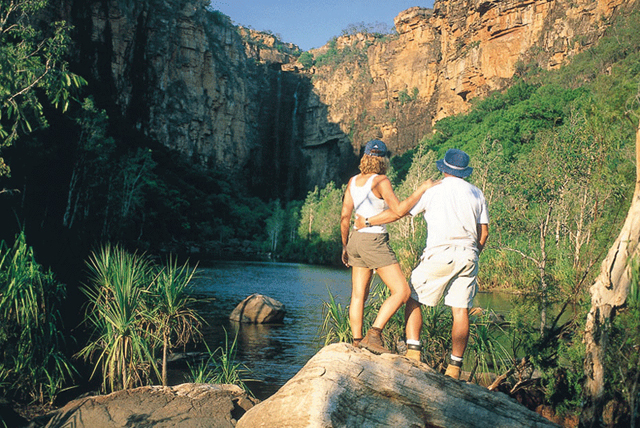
413	320
459	340
459	331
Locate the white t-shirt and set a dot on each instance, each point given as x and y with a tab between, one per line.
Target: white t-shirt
367	204
452	210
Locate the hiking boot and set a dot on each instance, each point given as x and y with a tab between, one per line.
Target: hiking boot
453	369
413	353
356	342
373	342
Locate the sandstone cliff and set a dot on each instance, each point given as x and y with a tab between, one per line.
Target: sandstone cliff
183	75
444	57
235	100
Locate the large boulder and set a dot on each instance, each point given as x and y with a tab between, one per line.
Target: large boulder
342	386
188	405
258	309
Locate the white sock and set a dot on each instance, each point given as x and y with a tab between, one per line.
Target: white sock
454	358
413	342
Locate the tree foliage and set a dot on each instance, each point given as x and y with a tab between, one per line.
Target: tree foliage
31	63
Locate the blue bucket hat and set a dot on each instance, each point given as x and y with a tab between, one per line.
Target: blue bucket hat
375	148
455	162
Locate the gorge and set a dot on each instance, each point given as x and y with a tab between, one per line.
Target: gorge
238	101
162	130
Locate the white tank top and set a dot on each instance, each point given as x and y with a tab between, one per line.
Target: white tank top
366	204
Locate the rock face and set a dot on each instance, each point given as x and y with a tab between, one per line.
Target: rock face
183	75
187	405
258	309
397	88
236	101
342	386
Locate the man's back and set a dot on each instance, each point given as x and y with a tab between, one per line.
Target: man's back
452	211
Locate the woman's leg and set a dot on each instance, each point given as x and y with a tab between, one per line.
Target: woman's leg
360	282
400	292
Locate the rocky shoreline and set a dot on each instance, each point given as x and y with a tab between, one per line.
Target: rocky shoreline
341	386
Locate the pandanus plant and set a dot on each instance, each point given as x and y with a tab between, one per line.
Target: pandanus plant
134	308
176	322
118	314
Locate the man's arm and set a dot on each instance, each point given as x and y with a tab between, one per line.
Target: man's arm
397	210
483	234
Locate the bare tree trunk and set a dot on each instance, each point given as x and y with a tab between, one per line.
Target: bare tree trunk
608	293
542	268
579	238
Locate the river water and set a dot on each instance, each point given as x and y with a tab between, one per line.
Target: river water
275	353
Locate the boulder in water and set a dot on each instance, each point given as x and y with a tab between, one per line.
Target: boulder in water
258	309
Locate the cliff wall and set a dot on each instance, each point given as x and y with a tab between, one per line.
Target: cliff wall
183	75
444	57
235	100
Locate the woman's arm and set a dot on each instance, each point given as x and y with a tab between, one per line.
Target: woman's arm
345	222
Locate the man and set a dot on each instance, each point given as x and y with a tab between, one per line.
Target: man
457	230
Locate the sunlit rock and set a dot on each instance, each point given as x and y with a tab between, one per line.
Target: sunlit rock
188	405
342	386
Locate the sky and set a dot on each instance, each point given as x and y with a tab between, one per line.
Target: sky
312	23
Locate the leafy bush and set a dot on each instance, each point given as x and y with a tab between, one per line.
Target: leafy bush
135	307
306	59
33	362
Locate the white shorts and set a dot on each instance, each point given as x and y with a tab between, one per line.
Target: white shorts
449	269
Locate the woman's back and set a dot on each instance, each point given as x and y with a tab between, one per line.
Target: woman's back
365	202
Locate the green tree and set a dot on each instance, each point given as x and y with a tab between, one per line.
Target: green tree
92	165
275	225
320	224
31	63
306	59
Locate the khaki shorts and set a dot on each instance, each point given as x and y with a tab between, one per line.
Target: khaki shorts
370	250
449	269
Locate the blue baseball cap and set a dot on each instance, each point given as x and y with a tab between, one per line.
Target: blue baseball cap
375	148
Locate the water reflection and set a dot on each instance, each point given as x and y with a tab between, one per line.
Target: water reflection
498	302
259	341
273	352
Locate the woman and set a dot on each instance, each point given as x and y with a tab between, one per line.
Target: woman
367	249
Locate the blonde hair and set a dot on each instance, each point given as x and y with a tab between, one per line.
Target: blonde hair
374	164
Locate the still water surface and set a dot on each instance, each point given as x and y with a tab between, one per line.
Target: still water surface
275	353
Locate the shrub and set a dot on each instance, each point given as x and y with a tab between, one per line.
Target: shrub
306	59
32	361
